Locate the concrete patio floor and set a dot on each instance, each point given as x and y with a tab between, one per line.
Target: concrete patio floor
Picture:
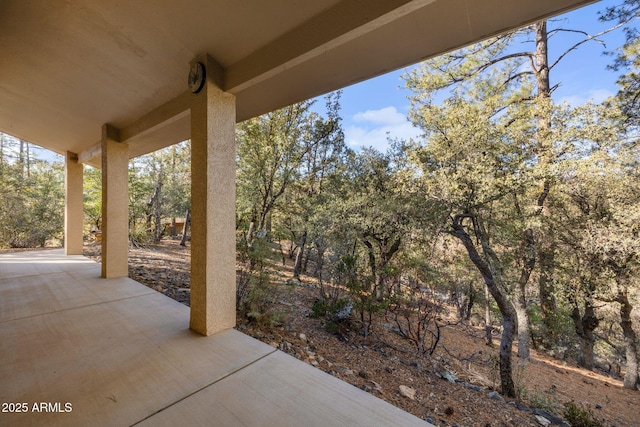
79	350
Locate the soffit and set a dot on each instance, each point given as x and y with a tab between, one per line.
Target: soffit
67	67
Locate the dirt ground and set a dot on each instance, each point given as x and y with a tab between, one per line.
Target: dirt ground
383	362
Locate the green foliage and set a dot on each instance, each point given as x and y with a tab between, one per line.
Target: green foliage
270	149
256	292
627	60
579	416
32	202
337	314
92	198
541	399
335	310
558	325
499	157
159	190
139	235
361	290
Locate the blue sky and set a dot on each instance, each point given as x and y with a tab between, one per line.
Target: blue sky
376	109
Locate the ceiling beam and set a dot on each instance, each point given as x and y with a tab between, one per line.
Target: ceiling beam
141	132
90	153
334	27
158	117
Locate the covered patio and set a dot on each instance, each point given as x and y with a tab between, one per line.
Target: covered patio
103	82
114	352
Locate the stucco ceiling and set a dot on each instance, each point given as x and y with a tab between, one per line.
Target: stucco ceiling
68	67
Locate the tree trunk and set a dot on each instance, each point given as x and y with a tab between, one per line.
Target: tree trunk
301	249
542	61
157	211
254	227
524	335
487	317
187	221
632	349
153	212
546	238
319	261
268	222
546	257
585	326
372	266
506	343
250	231
28	159
21	159
473	294
505	306
305	261
520	300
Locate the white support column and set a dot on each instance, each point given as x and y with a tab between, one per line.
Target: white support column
73	205
115	204
213	175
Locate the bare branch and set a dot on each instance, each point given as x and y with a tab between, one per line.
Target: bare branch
585	40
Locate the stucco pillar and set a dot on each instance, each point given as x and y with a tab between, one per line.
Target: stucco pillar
115	204
213	175
73	205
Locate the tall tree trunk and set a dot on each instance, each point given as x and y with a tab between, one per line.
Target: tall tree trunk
528	258
505	306
28	158
154	225
542	62
546	238
546	262
301	250
159	227
187	221
21	159
632	348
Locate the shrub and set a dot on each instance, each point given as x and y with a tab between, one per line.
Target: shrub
361	290
579	416
256	293
540	399
337	314
139	236
415	313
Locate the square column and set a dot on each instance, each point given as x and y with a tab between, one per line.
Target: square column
115	204
73	205
213	204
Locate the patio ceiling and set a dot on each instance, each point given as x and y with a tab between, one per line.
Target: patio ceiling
68	67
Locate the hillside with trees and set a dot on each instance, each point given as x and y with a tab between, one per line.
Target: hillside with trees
511	211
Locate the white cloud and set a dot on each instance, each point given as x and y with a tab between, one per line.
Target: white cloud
375	127
596	96
385	116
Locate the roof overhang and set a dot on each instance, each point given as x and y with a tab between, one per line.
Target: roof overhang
70	67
